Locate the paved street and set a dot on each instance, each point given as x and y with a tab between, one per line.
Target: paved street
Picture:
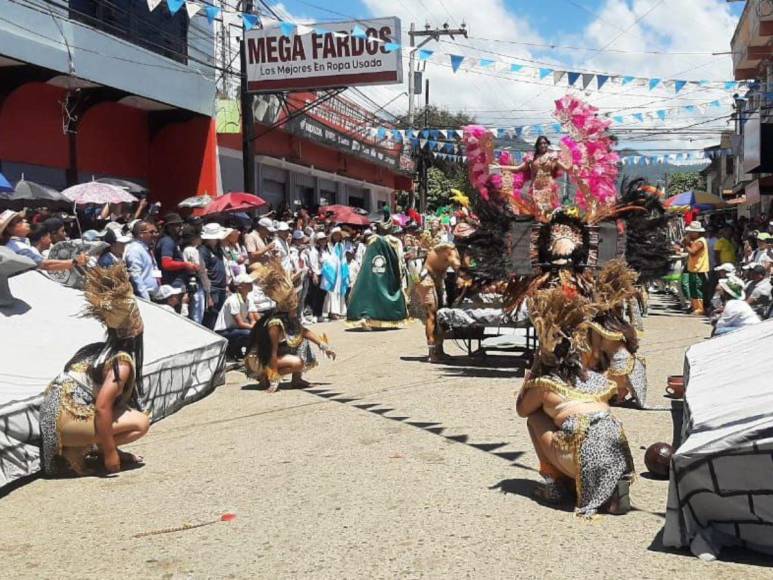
391	467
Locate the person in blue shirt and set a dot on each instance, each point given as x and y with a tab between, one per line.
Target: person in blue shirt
14	229
174	269
140	263
212	257
114	254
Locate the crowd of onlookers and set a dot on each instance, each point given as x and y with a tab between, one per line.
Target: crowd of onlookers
202	268
728	268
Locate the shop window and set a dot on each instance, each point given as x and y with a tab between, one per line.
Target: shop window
306	196
327	198
356	202
157	31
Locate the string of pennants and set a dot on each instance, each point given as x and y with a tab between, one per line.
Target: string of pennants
414	136
670	158
573	78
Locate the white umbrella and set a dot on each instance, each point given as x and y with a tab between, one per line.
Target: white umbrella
96	192
195	201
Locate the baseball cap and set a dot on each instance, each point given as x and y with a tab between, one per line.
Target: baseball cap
243	279
763	236
298	235
166	291
282	227
112	236
266	223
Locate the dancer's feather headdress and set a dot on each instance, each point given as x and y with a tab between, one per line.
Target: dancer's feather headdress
110	299
615	285
276	284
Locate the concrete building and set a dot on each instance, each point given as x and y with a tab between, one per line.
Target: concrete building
323	156
753	139
107	88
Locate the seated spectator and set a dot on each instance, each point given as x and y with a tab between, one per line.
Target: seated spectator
168	297
40	239
14	229
114	253
237	317
763	255
758	290
736	313
721	271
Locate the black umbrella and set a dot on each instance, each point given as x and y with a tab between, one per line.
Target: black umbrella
27	192
130	186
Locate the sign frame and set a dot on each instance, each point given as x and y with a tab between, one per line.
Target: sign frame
314	61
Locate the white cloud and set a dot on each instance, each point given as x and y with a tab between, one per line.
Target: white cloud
672	26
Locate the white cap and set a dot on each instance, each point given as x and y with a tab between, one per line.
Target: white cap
166	291
726	267
243	279
335	230
367	232
114	226
213	231
266	223
320	236
282	227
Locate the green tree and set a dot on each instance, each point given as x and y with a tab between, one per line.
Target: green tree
681	182
435	118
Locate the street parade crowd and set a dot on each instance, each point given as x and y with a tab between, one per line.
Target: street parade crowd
262	282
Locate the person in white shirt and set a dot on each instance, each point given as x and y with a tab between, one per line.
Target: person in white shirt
315	255
300	273
736	312
763	255
282	245
237	317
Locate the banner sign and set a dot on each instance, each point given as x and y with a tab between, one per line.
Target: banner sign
318	59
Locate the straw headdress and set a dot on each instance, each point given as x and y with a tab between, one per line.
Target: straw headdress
276	284
110	299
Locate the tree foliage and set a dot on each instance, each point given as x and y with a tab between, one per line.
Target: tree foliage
681	182
434	117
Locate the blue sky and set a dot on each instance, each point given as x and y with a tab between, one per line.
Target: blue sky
664	39
552	19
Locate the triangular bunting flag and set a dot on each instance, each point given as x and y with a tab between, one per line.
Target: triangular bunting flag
557	76
730	85
174	6
359	32
679	85
456	61
690	108
573	76
192	9
287	28
425	54
654	83
485	62
516	68
422	143
153	4
628	80
212	13
545	72
601	79
250	21
617	119
639	117
586	80
662	114
443	133
715	104
556	127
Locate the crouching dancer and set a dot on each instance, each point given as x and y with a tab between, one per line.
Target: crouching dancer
92	406
279	344
574	434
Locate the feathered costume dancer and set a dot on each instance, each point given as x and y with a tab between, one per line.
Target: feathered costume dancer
279	343
613	339
576	437
94	404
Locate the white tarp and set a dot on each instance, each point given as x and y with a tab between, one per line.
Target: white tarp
721	488
41	332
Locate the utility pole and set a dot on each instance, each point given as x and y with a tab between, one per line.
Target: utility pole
424	159
248	123
428	34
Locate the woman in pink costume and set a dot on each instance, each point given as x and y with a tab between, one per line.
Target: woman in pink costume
544	168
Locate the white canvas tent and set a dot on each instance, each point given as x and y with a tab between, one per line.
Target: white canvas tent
42	330
721	488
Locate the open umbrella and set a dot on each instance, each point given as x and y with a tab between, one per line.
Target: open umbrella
130	186
96	192
195	201
5	185
343	214
232	202
694	199
30	191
